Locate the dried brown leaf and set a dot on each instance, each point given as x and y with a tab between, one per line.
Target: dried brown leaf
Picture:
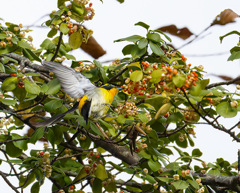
225	17
182	33
93	48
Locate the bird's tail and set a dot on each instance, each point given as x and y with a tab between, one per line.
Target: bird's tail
56	118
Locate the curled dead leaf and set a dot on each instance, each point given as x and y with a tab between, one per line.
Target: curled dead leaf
182	33
93	48
225	17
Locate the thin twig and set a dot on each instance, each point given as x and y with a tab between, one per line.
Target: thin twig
8	182
58	46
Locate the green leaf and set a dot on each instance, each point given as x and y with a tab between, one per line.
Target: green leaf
53	86
52	33
20	144
149	179
179	80
142	43
20	93
100	172
173	166
137	53
180	184
103	75
8	102
32	55
154	165
128	49
55	135
2	68
156	49
31	88
75	40
111	187
9	84
134	64
3	35
61	3
64	28
156	76
53	105
224	109
193	183
80	175
95	129
140	23
97	186
38	133
154	37
35	187
48	44
12	150
215	172
235	53
143	117
132	38
136	76
164	179
196	153
22	43
167	37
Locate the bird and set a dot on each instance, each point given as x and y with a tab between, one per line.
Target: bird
94	101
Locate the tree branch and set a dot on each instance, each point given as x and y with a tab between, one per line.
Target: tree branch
8	182
223	83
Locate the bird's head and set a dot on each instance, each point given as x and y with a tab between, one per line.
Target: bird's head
111	88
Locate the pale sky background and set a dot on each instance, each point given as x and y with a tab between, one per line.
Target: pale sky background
114	20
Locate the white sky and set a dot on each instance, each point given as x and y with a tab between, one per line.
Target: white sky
114	20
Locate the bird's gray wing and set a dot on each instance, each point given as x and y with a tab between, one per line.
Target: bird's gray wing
73	83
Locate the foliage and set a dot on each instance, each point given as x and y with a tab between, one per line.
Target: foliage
163	97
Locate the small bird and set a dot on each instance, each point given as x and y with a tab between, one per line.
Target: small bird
94	101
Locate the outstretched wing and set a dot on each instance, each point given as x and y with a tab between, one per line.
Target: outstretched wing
73	83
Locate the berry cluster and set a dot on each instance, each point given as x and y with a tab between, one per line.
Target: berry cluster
5	122
128	109
21	81
115	62
60	59
190	115
184	173
17	32
191	131
83	66
45	162
93	160
182	137
145	127
136	88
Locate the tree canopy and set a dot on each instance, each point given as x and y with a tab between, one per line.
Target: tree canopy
163	98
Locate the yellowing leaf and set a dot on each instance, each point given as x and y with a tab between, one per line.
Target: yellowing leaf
156	76
100	172
136	76
9	84
179	80
64	28
75	40
224	109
